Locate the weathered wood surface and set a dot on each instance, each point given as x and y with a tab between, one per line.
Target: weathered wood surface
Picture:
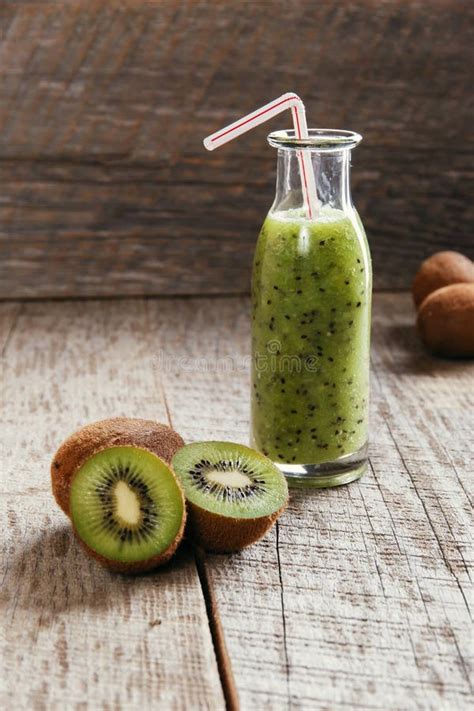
106	188
357	599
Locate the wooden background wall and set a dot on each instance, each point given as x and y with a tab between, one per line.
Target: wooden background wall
105	187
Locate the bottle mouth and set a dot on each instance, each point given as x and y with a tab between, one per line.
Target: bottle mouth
319	139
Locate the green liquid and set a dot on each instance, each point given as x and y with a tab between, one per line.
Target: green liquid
311	298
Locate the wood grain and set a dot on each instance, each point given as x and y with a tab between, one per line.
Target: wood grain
76	636
107	190
359	597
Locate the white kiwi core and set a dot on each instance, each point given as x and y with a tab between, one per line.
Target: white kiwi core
229	478
127	504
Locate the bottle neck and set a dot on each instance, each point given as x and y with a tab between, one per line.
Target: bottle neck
331	174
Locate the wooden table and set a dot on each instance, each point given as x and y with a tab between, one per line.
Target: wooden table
357	599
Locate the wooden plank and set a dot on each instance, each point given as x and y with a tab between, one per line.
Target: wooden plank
75	636
359	597
106	188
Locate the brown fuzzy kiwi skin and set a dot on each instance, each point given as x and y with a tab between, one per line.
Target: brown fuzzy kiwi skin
224	534
446	321
441	269
96	436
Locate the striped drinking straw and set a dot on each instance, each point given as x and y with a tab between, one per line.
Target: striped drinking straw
264	113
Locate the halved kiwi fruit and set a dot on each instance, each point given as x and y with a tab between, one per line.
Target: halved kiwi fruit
234	493
127	508
126	505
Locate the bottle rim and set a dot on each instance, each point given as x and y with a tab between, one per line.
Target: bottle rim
319	139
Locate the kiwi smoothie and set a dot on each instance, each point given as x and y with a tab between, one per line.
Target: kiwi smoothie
311	298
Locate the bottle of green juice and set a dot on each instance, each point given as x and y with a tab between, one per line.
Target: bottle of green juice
311	302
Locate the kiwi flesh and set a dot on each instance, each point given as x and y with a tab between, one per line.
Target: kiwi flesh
234	493
127	509
113	432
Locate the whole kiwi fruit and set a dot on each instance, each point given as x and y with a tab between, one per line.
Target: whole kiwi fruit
446	321
441	269
113	480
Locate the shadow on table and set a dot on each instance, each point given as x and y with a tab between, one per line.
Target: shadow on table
408	356
52	573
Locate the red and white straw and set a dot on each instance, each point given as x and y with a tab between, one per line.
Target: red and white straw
246	123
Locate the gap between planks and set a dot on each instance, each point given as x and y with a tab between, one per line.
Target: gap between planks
224	664
223	661
213	296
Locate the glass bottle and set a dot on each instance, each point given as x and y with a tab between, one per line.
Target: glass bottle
311	304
